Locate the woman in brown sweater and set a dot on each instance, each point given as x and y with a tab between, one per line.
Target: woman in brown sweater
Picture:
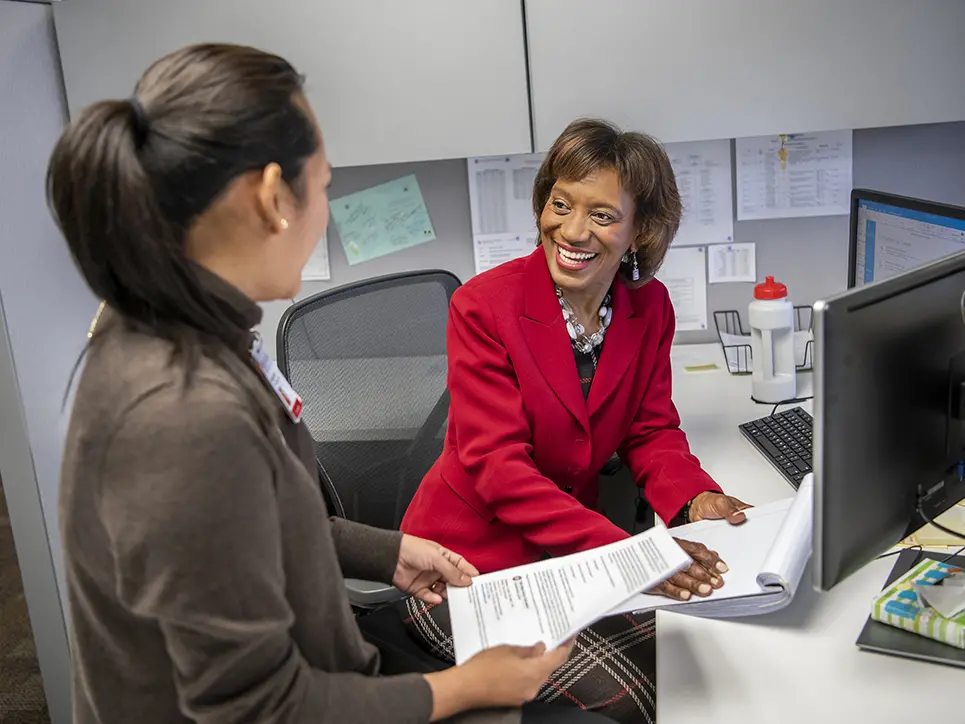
205	577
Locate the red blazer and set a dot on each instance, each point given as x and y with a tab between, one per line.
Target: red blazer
519	471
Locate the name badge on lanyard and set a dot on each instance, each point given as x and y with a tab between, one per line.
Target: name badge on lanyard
276	380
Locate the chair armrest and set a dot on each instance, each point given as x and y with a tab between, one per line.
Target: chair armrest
369	594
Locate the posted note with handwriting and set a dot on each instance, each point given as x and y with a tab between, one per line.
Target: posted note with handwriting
383	219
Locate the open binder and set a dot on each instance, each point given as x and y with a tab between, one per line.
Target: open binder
766	557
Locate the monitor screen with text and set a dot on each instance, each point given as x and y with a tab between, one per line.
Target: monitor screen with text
892	240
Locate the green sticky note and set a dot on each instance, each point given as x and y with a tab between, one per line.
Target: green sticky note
383	219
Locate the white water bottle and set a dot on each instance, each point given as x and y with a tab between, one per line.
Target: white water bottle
771	316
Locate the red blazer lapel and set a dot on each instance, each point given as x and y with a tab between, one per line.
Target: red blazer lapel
545	333
621	346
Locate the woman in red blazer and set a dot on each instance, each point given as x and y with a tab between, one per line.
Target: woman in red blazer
556	361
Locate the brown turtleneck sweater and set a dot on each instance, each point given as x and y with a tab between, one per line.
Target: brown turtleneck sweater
205	577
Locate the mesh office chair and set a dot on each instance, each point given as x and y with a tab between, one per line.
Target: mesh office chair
369	360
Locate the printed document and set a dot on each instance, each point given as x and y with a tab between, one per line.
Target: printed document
703	173
766	556
501	207
732	263
684	273
794	174
318	268
553	600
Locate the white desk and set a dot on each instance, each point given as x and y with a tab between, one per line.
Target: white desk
799	665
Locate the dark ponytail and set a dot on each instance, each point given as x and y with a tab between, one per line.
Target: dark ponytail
128	177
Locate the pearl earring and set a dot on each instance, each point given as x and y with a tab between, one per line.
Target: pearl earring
283	224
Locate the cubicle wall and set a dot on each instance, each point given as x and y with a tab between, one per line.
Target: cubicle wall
43	321
809	254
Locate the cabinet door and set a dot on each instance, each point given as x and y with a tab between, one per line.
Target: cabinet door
390	81
700	69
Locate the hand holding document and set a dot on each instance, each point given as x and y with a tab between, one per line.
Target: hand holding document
553	600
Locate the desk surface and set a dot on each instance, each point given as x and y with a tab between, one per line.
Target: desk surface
799	665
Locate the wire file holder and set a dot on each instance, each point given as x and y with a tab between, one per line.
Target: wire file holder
739	356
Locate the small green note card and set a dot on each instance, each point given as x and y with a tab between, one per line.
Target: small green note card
383	219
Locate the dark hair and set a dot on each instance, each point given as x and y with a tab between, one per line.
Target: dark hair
128	177
644	170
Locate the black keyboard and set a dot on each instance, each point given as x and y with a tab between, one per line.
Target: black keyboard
785	440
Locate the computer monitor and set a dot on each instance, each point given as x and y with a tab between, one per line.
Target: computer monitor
891	234
888	434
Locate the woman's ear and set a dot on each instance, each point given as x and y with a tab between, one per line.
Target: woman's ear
271	198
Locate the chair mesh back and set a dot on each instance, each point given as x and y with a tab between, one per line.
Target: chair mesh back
369	361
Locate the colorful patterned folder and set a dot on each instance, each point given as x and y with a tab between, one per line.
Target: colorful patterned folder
899	605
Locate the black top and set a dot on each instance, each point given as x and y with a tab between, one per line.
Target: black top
584	367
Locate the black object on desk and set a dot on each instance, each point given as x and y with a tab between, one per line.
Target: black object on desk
784	438
884	639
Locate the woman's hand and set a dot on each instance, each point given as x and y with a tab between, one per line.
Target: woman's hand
711	505
702	578
503	676
704	575
426	568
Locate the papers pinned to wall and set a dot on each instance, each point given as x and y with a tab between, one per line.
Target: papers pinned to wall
318	267
794	174
383	219
732	263
703	173
492	250
501	206
684	273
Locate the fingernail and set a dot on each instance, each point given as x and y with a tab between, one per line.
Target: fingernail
685	595
705	588
722	567
715	581
465	579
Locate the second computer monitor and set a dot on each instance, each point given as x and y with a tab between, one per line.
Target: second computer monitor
889	412
892	234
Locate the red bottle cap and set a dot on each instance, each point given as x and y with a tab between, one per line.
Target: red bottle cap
770	290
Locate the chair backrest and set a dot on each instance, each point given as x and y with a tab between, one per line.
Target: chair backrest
369	360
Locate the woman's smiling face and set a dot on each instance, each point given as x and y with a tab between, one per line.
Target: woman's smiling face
586	227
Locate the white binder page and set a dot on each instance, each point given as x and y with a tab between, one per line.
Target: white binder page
744	548
789	555
766	557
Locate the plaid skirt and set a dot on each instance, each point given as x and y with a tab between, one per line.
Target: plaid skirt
612	671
